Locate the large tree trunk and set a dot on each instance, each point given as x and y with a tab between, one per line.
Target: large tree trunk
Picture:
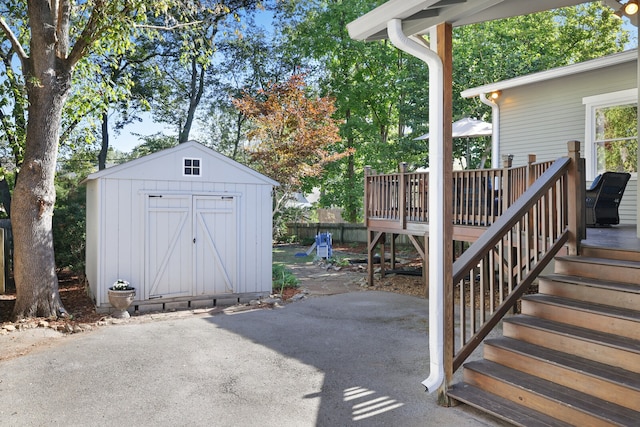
48	83
32	209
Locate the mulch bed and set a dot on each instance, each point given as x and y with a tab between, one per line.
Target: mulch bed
74	297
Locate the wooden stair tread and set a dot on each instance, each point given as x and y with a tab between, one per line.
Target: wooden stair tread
599	283
571	398
607	310
603	251
623	343
602	261
501	408
579	364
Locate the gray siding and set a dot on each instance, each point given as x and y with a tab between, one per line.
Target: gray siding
540	118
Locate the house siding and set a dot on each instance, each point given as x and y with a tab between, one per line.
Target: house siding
540	118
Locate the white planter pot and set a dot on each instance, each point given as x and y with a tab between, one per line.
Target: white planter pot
121	300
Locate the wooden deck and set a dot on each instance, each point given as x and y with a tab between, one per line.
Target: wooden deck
622	237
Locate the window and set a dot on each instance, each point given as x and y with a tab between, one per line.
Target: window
611	136
192	167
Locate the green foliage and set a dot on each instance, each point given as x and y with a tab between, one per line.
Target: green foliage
186	60
617	142
69	224
339	261
69	216
282	277
293	137
382	94
152	144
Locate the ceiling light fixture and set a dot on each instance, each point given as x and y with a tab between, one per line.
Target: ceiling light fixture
495	95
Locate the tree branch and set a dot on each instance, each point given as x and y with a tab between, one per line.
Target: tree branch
90	33
62	27
14	42
167	28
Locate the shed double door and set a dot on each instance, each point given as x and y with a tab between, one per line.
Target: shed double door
191	245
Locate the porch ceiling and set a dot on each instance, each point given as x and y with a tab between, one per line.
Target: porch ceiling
419	15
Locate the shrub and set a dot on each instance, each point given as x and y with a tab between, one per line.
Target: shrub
282	277
69	228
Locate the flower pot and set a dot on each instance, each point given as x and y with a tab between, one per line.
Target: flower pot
121	300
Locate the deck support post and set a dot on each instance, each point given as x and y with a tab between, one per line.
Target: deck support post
402	196
575	199
425	265
373	238
531	172
392	250
423	250
505	189
445	48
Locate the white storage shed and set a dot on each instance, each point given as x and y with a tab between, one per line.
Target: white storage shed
181	225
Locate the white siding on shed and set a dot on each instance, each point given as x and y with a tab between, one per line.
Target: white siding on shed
135	210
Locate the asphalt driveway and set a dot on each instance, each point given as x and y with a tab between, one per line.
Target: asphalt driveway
352	359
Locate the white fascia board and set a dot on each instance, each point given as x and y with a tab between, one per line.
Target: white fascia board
420	15
376	20
509	8
594	64
454	14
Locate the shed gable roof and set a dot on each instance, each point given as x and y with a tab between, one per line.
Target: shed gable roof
226	169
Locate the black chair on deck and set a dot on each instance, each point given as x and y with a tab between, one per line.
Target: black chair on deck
603	198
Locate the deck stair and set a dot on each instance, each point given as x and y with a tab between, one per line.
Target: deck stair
572	357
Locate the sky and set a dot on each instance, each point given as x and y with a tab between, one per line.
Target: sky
127	138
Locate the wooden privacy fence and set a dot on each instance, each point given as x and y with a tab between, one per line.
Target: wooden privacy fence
480	196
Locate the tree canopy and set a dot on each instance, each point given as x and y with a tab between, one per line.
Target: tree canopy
292	135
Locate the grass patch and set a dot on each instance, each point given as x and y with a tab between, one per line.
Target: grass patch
286	254
339	261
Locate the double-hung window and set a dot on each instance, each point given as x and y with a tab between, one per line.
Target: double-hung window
611	138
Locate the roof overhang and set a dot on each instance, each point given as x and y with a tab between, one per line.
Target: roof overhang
418	16
568	70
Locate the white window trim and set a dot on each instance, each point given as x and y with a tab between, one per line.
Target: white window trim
591	103
199	167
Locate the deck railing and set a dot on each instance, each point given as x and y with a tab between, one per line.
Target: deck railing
530	214
498	268
480	196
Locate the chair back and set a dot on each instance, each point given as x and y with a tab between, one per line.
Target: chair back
603	198
611	186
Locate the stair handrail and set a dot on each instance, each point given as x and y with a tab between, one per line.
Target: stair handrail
543	208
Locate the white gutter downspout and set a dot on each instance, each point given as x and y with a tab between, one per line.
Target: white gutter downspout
495	131
436	196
